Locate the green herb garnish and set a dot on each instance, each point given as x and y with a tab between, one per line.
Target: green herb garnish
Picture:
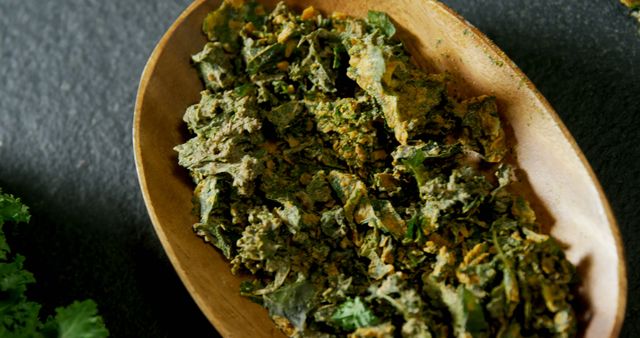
20	317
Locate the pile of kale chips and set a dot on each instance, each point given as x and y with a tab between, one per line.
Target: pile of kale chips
363	198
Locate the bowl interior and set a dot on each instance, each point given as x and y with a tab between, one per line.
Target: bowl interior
556	176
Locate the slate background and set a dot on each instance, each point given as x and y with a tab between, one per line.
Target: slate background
69	72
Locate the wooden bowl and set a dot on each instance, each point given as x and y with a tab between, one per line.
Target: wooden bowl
560	181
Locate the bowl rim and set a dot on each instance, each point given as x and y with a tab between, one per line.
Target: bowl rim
477	35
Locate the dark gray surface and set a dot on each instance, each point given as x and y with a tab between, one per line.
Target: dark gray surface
69	71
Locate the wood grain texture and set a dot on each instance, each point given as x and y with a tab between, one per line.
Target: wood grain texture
554	171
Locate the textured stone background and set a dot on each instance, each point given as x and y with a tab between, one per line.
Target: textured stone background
69	71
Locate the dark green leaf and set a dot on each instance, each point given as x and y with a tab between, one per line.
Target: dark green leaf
19	317
12	209
78	320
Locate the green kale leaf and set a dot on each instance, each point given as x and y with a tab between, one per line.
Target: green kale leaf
77	320
421	159
406	95
381	21
20	317
467	312
11	210
483	128
261	58
352	314
292	301
216	67
225	23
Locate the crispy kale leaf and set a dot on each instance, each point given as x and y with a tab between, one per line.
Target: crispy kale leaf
382	22
482	125
292	302
406	95
224	24
467	313
349	125
216	67
353	314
